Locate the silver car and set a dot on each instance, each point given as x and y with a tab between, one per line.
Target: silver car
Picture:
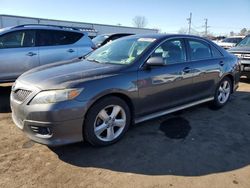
24	47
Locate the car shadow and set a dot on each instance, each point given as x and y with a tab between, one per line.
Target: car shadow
5	99
194	142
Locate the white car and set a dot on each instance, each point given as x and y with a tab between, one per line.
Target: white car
230	42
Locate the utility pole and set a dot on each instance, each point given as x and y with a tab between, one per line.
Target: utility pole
189	23
206	26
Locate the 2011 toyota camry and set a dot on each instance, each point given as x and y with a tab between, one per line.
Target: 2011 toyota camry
130	80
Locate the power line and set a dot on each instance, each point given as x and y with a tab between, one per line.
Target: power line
189	23
206	26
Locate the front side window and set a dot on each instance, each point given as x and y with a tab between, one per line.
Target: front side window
18	39
199	50
172	51
55	38
122	51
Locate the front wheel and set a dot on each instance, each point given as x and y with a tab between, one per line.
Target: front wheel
107	121
223	92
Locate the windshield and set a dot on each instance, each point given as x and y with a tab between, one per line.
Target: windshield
99	39
245	42
121	51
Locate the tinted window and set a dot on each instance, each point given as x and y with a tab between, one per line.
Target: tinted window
232	40
216	52
55	38
18	39
199	50
172	51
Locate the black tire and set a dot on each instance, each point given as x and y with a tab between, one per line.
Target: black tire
217	103
92	115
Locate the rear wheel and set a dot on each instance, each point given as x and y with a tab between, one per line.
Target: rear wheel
223	92
107	121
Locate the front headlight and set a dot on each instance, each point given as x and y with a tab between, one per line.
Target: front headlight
54	96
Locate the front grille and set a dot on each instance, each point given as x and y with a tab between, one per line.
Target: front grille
243	56
21	94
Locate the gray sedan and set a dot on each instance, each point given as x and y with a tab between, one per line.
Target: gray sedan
130	80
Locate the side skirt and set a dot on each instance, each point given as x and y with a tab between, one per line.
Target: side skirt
165	112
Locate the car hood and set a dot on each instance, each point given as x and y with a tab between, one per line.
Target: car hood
243	49
66	74
225	44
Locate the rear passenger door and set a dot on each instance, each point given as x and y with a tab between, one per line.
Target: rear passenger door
206	62
54	45
17	54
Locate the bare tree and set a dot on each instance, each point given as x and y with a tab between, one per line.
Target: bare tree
140	21
243	31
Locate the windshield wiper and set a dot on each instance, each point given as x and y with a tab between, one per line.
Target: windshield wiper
93	60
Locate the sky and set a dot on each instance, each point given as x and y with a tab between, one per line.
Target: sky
167	15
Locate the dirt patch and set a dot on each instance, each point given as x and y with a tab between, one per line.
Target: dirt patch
196	148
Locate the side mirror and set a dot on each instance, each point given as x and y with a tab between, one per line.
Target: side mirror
155	61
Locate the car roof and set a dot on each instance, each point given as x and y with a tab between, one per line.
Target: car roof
112	34
45	27
236	37
165	36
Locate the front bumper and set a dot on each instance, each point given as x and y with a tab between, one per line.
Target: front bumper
245	68
50	124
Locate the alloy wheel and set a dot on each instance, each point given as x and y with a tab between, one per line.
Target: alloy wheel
224	92
109	123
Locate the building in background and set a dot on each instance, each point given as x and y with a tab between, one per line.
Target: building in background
92	28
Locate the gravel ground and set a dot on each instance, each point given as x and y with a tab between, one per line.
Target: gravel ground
198	147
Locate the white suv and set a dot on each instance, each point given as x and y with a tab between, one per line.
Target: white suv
27	46
230	42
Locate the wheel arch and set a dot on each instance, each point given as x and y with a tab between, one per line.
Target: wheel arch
118	94
230	76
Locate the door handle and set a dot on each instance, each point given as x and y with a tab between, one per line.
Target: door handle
221	63
31	54
71	50
186	69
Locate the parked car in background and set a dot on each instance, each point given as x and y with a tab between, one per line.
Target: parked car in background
230	42
101	40
27	46
242	51
127	81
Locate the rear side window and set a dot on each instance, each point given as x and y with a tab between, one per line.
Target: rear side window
55	38
216	53
199	50
18	39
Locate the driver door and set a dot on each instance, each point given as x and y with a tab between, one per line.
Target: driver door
163	87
